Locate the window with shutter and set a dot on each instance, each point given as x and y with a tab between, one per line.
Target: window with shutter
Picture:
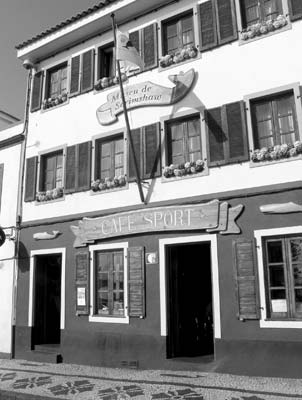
82	265
217	23
178	33
78	167
31	179
245	269
109	157
36	97
145	42
146	141
56	81
136	282
75	75
255	11
87	76
295	9
227	134
106	62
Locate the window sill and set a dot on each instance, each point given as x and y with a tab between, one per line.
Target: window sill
268	34
285	324
43	110
272	162
109	320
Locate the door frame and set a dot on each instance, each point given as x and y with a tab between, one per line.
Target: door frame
31	303
212	240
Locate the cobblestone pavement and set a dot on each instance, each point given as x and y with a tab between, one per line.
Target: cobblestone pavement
21	379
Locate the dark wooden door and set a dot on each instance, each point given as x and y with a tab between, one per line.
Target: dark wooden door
190	321
47	299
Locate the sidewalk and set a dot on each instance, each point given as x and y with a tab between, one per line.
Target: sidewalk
24	380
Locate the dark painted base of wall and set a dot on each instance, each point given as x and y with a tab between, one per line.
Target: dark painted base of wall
6	356
259	358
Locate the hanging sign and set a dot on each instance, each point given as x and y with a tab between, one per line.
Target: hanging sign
145	94
212	217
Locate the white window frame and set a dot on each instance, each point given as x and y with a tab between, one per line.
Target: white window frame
259	235
212	239
32	268
110	319
240	26
294	87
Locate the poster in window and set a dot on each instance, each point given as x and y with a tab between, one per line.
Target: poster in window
81	296
279	306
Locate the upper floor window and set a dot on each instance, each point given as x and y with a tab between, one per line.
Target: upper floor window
184	140
109	158
274	121
254	11
283	277
106	62
178	33
51	171
57	81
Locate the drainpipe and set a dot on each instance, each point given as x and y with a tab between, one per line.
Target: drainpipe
28	65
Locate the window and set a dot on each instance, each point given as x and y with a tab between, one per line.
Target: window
254	11
274	120
184	140
109	280
145	42
283	277
109	157
178	33
106	62
82	73
57	82
51	171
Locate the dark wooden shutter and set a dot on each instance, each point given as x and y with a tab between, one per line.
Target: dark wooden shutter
84	166
87	70
207	25
31	178
136	138
246	279
151	143
70	169
236	131
149	46
36	95
216	136
75	75
82	265
226	21
1	181
136	282
295	9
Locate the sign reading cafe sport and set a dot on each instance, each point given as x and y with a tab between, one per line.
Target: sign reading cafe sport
214	216
145	94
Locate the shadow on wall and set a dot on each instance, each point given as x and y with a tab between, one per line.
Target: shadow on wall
23	257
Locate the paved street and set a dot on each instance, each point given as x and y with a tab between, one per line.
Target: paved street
21	379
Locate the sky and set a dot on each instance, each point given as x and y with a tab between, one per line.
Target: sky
21	20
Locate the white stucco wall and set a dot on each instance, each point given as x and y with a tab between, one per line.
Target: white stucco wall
224	74
10	157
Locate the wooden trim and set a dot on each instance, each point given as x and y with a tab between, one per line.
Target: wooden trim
12	141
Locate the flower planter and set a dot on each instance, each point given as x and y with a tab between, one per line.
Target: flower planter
188	168
108	183
263	28
277	152
49	195
178	57
54	101
106	82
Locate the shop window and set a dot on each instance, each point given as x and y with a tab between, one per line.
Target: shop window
82	73
283	277
274	121
109	281
109	157
51	171
178	34
146	142
184	140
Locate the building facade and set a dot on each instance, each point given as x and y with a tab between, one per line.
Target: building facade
206	265
10	153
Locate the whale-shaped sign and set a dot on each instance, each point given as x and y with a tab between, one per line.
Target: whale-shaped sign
145	94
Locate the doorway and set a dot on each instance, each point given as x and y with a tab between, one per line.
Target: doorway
189	304
47	299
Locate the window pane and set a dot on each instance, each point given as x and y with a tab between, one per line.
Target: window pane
285	118
272	8
118	303
103	261
103	303
298	300
103	280
251	11
296	249
177	148
275	253
187	31
297	270
277	276
278	294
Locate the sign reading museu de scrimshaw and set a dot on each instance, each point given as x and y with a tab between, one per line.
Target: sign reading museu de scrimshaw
145	94
214	216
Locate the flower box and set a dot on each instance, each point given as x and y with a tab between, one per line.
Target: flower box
179	56
277	152
108	183
54	101
49	195
188	168
264	27
106	82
